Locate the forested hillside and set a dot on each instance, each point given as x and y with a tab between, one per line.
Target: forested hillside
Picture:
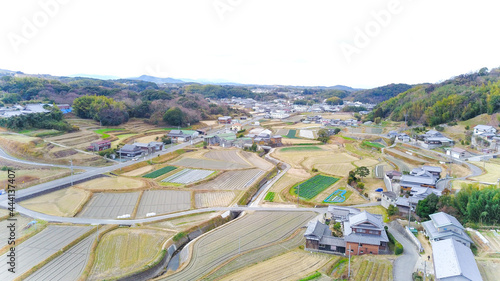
460	98
379	94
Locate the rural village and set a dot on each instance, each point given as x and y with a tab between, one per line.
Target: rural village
284	190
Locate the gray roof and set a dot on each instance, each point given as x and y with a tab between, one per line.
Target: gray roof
365	217
410	179
342	211
333	241
390	194
315	230
432	169
443	219
453	259
367	238
434	234
129	147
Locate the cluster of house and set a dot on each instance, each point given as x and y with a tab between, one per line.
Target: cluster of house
417	185
178	136
490	136
318	119
139	149
433	139
259	136
363	233
451	253
18	109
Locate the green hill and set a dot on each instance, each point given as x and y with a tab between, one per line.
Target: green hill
460	98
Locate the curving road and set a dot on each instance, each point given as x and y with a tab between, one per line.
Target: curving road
404	265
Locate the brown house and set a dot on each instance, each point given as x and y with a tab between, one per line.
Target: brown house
99	145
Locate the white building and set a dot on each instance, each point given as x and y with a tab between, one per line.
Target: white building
458	153
454	261
482	129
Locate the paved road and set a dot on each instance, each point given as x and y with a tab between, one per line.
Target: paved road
96	171
404	265
79	220
7	156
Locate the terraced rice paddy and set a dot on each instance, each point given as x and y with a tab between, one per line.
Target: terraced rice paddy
366	162
291	134
214	199
300	148
68	266
282	132
188	176
64	202
308	134
159	172
340	169
123	251
21	229
205	163
313	186
240	236
492	172
40	247
290	266
489	269
257	161
232	180
110	205
371	268
112	183
227	155
163	201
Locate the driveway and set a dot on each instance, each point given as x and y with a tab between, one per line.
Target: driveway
404	265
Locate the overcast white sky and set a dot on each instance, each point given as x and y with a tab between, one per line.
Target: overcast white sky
289	42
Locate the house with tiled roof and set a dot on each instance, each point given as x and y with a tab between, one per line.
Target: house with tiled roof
454	261
443	226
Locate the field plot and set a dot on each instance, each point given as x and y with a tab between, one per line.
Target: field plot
314	186
110	205
65	202
374	130
299	141
33	175
188	176
368	162
300	148
123	251
68	266
206	163
492	172
257	161
138	172
227	155
290	266
112	183
186	222
289	179
260	255
214	199
79	139
41	246
308	134
282	132
163	201
150	138
242	235
368	268
291	134
159	172
21	229
232	180
489	269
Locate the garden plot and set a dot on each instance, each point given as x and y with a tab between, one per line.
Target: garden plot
489	269
65	202
308	134
366	162
138	172
163	201
187	176
257	161
110	205
40	247
290	266
182	223
214	199
240	236
313	186
32	175
232	180
371	268
68	266
123	251
227	155
208	164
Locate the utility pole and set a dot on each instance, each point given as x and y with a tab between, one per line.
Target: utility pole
298	195
349	267
71	162
425	264
409	213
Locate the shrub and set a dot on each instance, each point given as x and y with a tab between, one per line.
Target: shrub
314	170
179	236
399	249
